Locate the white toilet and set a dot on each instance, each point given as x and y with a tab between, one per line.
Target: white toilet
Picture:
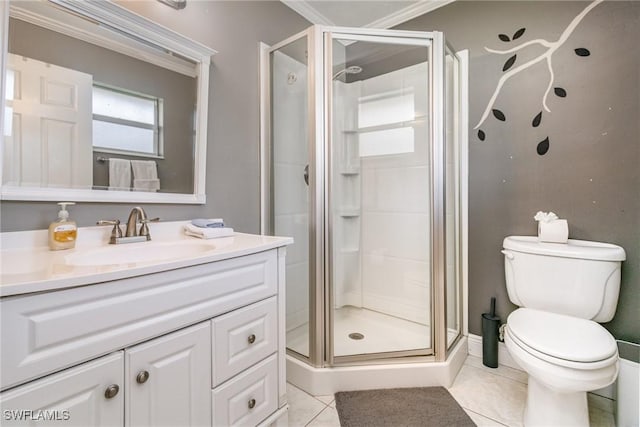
564	291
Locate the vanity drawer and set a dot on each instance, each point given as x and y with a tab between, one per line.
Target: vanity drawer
248	398
46	332
244	337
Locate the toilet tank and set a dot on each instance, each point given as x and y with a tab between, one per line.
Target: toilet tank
578	278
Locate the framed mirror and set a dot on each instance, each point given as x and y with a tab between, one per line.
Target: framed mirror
100	105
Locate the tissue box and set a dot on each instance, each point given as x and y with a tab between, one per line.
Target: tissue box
556	231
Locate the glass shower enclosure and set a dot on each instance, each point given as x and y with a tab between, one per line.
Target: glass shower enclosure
362	167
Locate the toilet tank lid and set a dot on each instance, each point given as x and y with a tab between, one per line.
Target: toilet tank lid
581	249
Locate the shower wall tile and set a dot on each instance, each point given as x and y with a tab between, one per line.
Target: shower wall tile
396	189
399	235
296	226
396	286
289	111
291	193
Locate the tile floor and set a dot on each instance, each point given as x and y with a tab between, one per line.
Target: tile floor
491	397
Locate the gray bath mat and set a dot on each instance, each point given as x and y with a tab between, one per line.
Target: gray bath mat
396	407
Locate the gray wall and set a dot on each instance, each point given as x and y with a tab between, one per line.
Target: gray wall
591	173
234	29
106	66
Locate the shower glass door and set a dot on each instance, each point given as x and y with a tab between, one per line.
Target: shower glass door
290	148
379	207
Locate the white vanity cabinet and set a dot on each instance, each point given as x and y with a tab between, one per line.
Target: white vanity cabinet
194	346
87	395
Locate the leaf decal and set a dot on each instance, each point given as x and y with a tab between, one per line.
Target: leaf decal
504	37
518	33
543	146
581	51
560	92
499	115
536	120
481	135
509	63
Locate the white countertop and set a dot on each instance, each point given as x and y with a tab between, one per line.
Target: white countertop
27	265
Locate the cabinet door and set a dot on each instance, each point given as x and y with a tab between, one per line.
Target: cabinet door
87	395
168	379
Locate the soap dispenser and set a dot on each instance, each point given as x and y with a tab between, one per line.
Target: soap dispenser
63	232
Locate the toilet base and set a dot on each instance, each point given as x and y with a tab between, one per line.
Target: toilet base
548	407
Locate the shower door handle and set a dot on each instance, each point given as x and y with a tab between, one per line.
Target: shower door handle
306	175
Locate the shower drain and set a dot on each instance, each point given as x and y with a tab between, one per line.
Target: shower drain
356	336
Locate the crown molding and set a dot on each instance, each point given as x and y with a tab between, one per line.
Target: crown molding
408	13
304	8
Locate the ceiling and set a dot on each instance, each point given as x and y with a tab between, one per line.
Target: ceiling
362	13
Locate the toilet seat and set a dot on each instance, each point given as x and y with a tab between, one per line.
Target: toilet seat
562	340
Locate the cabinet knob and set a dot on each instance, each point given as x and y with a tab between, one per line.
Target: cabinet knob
251	404
142	377
251	339
111	391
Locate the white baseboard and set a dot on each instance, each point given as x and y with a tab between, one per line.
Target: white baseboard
505	359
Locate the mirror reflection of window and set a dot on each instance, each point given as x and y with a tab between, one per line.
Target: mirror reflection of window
126	122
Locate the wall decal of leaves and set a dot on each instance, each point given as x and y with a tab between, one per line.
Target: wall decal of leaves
543	146
518	33
546	56
499	115
582	51
509	63
481	135
560	92
536	120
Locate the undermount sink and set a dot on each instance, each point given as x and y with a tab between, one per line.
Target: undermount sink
143	252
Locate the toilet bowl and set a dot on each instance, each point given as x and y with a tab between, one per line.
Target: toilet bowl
565	357
563	291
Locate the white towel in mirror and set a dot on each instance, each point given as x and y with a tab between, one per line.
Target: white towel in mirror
145	175
119	174
146	184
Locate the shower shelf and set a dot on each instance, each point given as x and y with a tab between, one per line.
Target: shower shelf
350	171
350	213
418	120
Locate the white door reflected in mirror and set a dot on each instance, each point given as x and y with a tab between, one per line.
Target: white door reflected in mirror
49	140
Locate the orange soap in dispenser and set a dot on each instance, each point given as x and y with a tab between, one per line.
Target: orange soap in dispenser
63	232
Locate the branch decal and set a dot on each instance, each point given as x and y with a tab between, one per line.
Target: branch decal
546	57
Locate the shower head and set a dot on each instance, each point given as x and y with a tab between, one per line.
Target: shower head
354	69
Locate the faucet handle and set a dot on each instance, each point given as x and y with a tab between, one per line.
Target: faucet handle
116	232
144	230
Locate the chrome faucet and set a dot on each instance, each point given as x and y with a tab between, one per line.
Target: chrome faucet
137	215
